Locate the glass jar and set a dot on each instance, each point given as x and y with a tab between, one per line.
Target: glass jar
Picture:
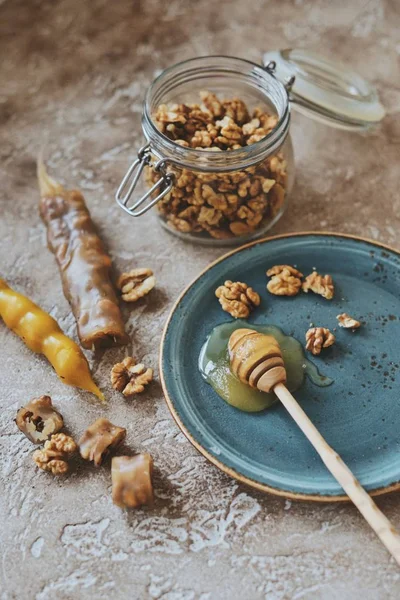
235	187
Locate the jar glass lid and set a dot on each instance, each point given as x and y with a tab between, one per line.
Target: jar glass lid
326	90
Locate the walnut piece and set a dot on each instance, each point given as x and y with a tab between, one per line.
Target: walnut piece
237	298
319	285
99	439
135	284
132	480
286	280
130	378
348	322
55	454
318	338
38	420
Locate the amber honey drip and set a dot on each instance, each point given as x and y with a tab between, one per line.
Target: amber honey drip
215	367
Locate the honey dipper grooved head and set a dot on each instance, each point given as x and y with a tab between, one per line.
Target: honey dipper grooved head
256	359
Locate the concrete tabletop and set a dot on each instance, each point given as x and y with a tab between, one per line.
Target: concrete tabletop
73	77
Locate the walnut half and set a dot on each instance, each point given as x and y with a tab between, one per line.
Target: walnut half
132	480
98	439
286	280
130	378
55	454
318	338
322	285
135	284
38	420
237	298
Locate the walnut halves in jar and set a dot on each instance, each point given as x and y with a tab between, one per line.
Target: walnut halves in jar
99	439
132	480
38	420
226	204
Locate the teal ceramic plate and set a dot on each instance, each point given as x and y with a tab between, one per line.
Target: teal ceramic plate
359	414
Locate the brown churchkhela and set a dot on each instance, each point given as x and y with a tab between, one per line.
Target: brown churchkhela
83	263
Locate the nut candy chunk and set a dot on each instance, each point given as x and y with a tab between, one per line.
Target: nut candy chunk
38	420
322	285
130	378
286	280
318	338
83	262
237	298
135	284
132	480
99	439
55	454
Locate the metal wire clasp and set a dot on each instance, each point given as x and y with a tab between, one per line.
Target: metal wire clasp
131	179
271	68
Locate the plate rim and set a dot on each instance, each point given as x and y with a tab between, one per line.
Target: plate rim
228	470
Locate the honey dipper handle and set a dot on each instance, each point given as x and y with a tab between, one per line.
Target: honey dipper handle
367	507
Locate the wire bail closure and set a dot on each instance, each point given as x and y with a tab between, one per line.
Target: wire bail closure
289	83
131	178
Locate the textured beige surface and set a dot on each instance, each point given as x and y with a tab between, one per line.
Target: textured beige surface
73	75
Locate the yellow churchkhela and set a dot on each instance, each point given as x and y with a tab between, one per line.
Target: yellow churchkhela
42	334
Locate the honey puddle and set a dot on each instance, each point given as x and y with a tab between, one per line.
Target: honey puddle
215	367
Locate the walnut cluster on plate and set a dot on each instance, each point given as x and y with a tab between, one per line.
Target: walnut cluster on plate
239	299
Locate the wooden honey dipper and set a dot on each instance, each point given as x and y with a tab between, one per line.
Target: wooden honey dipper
256	359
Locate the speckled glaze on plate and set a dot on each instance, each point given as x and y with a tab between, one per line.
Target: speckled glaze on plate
359	415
